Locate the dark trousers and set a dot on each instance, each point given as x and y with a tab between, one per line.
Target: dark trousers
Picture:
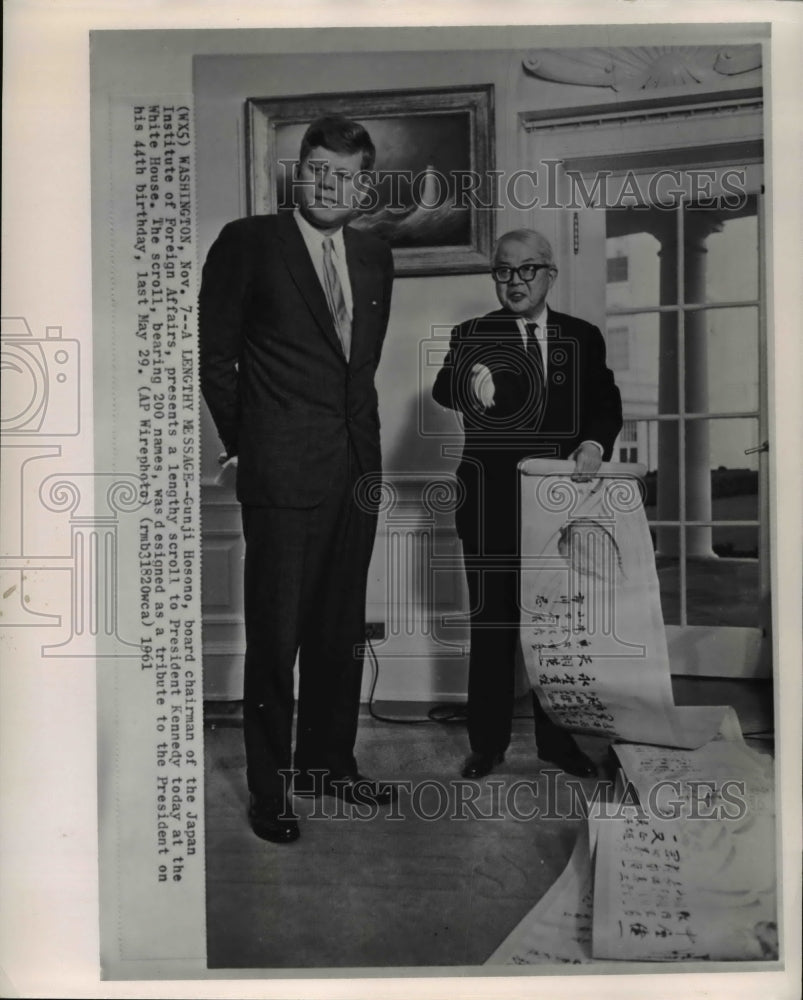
493	587
305	585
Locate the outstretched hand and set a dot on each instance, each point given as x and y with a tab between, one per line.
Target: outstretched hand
482	386
587	460
228	470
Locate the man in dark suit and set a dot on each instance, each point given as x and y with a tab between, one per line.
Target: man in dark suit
529	382
293	314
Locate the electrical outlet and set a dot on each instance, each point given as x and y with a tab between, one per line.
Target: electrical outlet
374	630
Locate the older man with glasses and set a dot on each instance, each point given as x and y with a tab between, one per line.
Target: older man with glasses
530	382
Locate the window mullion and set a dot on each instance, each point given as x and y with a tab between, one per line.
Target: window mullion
764	567
688	307
681	362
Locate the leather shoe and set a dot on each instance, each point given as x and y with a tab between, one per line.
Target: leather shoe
477	765
353	788
271	819
569	758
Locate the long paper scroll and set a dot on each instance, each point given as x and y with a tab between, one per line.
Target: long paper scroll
680	864
558	930
592	630
697	886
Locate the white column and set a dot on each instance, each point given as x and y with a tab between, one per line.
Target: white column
699	226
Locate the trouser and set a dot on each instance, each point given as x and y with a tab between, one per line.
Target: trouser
493	586
305	586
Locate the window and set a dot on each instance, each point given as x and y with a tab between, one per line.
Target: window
695	382
617	269
687	363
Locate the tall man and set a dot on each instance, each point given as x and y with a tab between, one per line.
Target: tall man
293	313
529	381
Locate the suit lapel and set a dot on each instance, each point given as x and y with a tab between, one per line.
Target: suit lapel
302	270
360	277
552	338
561	375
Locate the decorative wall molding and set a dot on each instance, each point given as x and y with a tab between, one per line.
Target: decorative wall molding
635	68
682	108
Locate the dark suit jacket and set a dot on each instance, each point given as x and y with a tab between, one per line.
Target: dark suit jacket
273	371
581	403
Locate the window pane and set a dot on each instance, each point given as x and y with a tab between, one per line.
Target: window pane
666	540
638	443
728	441
722	360
719	591
721	253
721	370
724	591
633	264
642	353
721	481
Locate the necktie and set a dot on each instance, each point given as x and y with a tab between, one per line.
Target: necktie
538	375
537	358
335	298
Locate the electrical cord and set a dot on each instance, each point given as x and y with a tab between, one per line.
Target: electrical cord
446	713
374	680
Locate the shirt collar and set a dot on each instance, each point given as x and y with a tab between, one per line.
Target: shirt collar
540	319
313	235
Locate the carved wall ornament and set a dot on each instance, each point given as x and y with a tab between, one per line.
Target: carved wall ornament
644	67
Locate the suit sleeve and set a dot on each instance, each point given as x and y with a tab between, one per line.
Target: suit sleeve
451	382
475	343
602	401
387	293
220	322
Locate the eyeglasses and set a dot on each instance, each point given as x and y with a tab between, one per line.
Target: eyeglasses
526	272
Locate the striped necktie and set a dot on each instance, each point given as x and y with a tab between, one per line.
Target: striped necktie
335	298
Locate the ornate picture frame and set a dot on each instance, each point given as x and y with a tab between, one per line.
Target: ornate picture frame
433	195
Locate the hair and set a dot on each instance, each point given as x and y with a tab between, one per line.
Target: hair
531	238
338	135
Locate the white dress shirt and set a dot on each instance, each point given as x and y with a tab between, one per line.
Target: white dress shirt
314	240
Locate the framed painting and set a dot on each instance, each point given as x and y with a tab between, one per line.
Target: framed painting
431	188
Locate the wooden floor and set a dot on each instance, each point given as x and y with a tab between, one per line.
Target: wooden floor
398	892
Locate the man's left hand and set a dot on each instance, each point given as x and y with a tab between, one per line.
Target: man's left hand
587	460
